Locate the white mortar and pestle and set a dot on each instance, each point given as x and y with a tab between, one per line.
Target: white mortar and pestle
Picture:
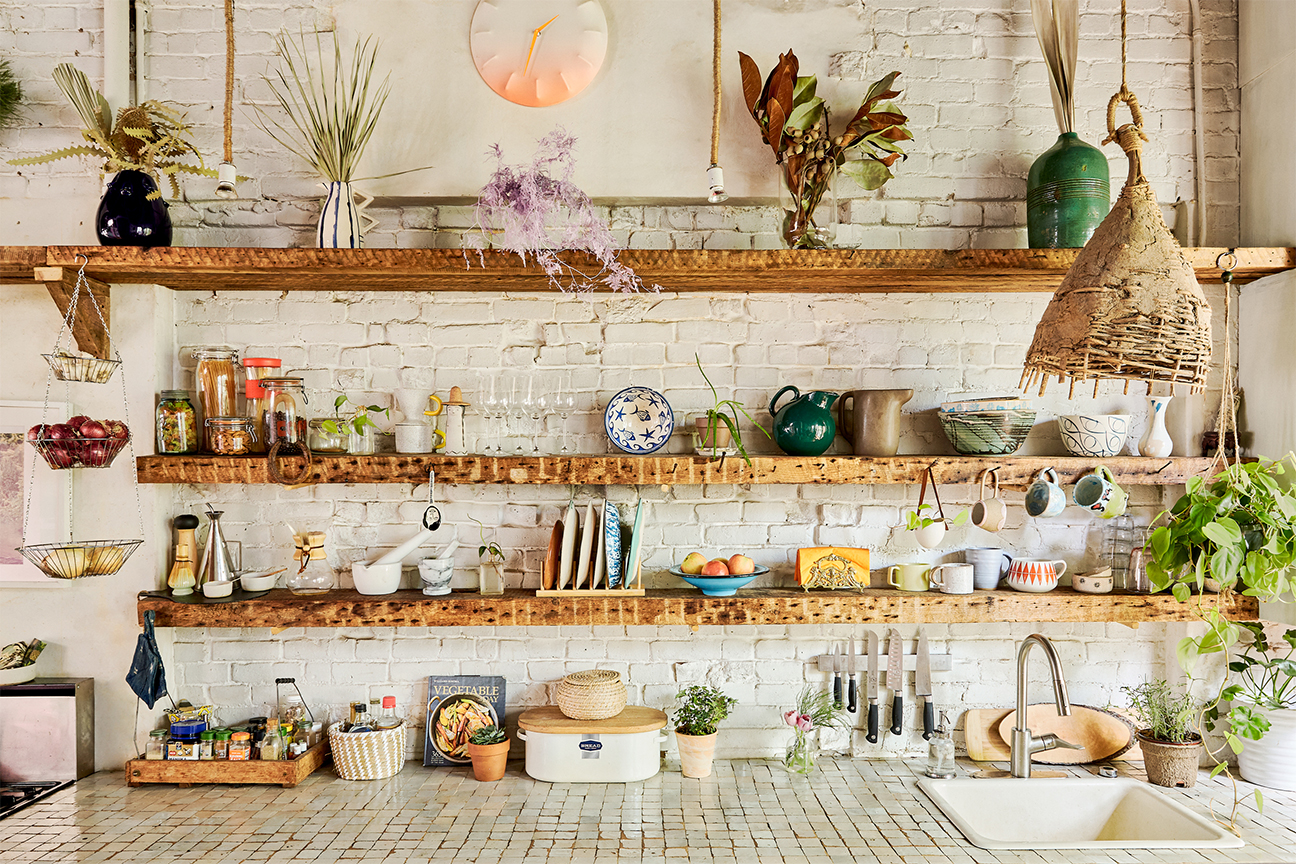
384	575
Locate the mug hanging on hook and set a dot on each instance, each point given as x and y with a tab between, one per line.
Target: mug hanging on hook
432	515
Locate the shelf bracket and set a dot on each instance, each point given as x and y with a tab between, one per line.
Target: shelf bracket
89	333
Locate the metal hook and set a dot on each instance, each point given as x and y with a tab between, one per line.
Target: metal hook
1219	261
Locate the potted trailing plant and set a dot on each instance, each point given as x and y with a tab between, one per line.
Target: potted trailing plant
148	141
929	529
358	427
815	710
717	430
488	748
793	121
491	569
1165	717
695	727
1263	711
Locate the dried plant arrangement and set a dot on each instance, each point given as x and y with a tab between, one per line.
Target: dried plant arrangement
11	95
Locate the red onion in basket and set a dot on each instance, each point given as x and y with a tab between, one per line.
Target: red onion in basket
75	422
93	429
59	432
116	429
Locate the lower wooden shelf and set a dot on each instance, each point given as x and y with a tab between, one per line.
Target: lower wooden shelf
281	609
287	773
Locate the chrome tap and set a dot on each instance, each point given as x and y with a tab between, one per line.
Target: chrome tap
1023	744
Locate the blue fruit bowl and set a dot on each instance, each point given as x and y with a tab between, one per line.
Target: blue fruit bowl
720	586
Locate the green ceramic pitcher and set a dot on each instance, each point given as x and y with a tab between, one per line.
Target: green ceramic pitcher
805	425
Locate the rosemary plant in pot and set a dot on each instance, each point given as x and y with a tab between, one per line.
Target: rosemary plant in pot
488	748
1171	747
695	727
1263	711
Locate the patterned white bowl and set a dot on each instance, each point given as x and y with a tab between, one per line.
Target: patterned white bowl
1100	435
639	420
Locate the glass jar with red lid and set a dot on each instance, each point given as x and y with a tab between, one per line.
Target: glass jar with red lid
254	370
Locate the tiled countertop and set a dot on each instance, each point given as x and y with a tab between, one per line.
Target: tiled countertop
748	811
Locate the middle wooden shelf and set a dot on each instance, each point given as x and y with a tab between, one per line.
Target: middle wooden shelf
671	470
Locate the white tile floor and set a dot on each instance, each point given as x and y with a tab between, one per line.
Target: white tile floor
748	811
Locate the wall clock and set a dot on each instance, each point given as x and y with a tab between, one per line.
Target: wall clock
538	52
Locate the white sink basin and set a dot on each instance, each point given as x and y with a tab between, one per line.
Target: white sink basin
1072	813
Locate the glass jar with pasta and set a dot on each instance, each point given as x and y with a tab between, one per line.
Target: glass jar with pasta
215	376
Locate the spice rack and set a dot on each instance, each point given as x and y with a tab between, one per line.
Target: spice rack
286	773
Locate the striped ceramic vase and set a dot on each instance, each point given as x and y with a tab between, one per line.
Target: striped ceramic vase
339	222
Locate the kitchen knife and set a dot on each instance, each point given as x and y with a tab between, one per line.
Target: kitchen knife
851	704
895	679
837	693
923	688
871	687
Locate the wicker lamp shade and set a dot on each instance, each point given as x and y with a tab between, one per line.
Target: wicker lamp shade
1130	306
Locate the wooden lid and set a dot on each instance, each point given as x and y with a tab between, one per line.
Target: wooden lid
631	719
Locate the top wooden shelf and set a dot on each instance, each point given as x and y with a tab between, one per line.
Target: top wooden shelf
846	271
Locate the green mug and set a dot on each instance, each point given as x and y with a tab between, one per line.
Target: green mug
909	577
1098	493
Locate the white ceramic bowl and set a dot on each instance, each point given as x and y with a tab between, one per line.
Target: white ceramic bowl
376	578
260	581
21	675
217	589
1097	435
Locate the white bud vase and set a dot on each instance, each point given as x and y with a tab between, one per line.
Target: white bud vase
342	222
1156	440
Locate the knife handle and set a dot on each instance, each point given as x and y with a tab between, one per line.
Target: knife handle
837	694
929	720
897	714
872	736
851	704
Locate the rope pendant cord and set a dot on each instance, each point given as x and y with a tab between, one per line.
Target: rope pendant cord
1226	419
229	80
715	82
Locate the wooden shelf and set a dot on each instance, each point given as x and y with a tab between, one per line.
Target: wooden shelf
670	470
280	609
833	270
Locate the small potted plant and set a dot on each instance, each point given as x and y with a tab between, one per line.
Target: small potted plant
1263	710
717	430
815	710
930	530
491	570
355	424
695	727
1171	747
488	748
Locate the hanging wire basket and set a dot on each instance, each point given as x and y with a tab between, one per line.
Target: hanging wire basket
71	367
79	559
60	453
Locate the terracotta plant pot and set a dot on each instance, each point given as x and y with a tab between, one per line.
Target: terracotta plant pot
722	435
488	760
696	753
1171	765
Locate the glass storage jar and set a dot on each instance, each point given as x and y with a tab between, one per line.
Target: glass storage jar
321	440
177	423
156	747
222	744
240	747
215	377
286	422
312	573
254	370
230	436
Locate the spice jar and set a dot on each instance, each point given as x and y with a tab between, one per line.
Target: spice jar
156	747
230	436
177	423
221	748
313	574
206	746
215	377
240	746
285	418
255	369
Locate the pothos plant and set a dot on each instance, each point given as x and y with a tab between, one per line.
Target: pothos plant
358	417
1262	679
916	521
489	549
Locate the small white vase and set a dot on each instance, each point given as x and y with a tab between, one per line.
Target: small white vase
1156	441
1271	761
343	222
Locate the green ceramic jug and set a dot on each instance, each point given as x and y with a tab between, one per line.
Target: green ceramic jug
804	426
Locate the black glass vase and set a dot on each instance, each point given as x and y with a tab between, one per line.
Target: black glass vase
127	217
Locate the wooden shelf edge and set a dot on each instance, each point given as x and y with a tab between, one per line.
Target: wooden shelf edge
671	470
517	608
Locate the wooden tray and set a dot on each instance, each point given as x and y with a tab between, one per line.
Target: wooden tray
981	734
184	774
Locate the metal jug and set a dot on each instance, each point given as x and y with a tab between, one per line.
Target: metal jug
217	566
804	426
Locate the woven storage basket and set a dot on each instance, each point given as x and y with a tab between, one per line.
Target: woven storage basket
367	755
594	694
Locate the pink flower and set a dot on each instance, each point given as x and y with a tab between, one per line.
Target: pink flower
804	723
790	717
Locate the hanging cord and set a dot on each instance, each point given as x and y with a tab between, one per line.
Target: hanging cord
1226	420
1130	136
715	174
227	174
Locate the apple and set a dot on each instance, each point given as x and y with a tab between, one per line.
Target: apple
741	565
93	429
693	563
716	567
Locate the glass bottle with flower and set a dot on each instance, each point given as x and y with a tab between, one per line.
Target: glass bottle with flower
793	121
815	710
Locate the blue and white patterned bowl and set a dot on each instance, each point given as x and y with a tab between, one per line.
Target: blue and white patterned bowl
639	420
1098	435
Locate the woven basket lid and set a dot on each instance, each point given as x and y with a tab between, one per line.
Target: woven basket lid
592	678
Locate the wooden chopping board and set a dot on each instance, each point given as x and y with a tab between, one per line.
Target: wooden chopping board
549	570
988	730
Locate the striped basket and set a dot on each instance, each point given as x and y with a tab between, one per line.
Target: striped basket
594	694
367	755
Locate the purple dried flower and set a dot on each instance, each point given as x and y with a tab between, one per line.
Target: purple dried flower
537	210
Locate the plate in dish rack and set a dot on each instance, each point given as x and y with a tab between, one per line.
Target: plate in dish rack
639	420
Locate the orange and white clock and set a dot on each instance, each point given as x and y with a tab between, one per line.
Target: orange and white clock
538	52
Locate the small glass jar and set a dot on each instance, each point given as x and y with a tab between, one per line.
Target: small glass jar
230	436
221	749
321	440
215	376
286	422
255	369
311	572
240	746
359	443
155	749
206	746
177	423
940	751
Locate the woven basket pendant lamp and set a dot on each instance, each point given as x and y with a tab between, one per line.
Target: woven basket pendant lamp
1130	306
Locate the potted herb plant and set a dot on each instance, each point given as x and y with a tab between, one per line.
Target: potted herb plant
717	430
491	570
488	748
1263	711
815	710
930	530
357	427
1171	747
695	727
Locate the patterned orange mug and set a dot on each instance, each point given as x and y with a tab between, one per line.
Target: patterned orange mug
1034	575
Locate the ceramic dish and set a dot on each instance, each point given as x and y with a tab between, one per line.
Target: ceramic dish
217	589
997	403
639	420
987	433
612	543
719	586
1097	435
21	675
262	581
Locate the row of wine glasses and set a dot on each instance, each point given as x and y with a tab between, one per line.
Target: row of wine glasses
516	408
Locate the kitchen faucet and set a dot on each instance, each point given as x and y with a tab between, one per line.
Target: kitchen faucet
1023	745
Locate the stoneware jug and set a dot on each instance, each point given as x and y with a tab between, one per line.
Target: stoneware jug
805	425
872	424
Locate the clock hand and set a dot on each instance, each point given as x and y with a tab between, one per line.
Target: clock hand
534	36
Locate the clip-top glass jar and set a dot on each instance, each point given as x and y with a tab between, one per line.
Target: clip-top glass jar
177	423
255	369
286	422
215	377
230	436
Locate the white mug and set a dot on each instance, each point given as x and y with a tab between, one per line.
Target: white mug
988	566
989	514
952	578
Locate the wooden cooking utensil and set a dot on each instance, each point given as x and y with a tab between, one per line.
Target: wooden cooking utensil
549	573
